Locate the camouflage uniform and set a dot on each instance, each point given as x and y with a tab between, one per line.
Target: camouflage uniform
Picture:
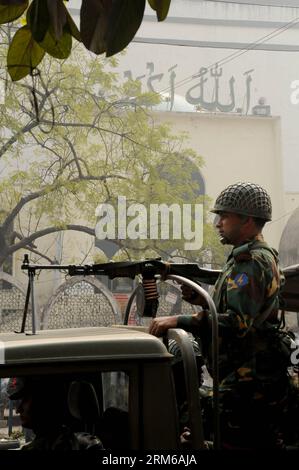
63	439
59	438
252	363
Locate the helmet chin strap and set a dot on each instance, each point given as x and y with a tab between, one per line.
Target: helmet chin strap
224	241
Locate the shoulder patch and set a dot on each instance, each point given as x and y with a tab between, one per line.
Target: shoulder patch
241	280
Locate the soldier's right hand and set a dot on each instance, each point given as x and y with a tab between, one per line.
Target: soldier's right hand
160	325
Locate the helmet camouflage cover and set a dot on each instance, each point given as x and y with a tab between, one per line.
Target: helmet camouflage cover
18	387
244	199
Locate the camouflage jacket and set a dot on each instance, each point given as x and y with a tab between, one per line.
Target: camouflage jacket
247	287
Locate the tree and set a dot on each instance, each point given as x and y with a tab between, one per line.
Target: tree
106	26
73	137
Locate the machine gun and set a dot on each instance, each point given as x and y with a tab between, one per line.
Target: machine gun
148	270
131	269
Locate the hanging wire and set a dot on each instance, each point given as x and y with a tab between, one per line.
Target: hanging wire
234	55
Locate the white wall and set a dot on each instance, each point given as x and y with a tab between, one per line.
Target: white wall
237	148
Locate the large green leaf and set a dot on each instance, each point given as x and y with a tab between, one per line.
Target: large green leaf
58	16
124	21
94	17
161	7
38	19
12	11
60	49
24	54
72	28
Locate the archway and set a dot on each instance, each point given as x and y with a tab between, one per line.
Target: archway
81	302
12	301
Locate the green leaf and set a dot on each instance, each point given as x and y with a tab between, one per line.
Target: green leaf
124	21
60	49
58	16
38	19
24	54
161	7
72	28
94	17
11	12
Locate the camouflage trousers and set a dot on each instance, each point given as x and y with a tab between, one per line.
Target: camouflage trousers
254	419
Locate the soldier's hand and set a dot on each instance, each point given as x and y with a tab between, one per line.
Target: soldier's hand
185	438
160	325
192	297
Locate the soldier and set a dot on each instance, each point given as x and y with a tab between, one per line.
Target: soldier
253	362
42	405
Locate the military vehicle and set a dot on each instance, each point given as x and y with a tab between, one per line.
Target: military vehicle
122	368
127	369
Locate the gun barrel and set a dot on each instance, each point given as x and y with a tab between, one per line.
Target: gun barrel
73	270
42	266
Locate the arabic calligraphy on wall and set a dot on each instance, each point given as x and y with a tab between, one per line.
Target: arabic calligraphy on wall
207	79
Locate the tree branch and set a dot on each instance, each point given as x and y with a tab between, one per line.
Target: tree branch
36	252
97	128
30	197
16	136
72	148
25	242
33	121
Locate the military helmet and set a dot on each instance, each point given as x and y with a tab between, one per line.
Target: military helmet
244	199
19	387
16	388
